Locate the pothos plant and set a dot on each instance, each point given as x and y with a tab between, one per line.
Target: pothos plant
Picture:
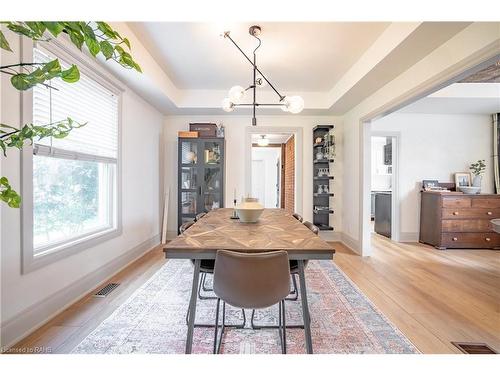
98	37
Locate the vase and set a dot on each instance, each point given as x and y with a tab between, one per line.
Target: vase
476	182
249	210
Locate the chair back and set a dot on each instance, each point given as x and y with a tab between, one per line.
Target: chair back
199	216
185	226
251	281
312	227
298	217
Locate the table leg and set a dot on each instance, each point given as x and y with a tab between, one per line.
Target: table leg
305	308
192	305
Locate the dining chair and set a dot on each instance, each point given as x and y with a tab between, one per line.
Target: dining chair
298	217
206	267
251	281
199	216
294	272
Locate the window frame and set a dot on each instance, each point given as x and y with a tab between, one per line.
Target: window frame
64	50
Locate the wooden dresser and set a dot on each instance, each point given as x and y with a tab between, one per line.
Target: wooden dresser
459	221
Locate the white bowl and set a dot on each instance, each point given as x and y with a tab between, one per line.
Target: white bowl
469	189
249	210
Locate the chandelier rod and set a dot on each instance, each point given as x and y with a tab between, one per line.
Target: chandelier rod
226	35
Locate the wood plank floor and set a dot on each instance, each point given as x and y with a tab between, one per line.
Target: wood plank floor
434	297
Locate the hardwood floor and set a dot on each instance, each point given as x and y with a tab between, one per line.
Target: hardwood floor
434	297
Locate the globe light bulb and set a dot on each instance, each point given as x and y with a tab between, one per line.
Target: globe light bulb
260	82
227	105
236	94
263	141
293	104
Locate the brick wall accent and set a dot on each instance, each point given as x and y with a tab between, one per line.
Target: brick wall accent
289	188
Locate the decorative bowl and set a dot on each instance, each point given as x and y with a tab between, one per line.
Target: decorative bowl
469	189
249	210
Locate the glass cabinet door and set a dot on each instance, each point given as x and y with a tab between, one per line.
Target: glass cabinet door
212	175
189	152
212	153
188	203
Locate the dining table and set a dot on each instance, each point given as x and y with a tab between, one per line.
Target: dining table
275	230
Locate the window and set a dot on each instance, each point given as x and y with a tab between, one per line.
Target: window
74	179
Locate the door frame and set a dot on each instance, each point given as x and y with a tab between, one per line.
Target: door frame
297	133
395	199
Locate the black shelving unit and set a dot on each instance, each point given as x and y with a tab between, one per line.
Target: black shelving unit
200	176
321	200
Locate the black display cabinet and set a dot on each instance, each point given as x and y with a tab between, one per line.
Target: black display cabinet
200	176
323	157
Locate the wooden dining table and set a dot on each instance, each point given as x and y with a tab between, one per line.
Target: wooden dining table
275	230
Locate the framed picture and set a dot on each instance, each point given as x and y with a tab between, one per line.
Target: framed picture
429	184
463	179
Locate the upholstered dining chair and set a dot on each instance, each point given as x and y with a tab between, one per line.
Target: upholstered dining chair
206	267
199	216
294	272
298	217
251	281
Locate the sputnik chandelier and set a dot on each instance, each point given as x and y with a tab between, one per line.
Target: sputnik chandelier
292	104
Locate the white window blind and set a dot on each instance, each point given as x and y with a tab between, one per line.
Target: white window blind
85	101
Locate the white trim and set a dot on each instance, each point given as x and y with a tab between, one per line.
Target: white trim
350	242
55	152
299	149
89	67
33	317
408	237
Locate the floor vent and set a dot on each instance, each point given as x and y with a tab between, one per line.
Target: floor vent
474	348
106	290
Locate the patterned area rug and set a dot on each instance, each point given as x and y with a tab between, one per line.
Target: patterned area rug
152	320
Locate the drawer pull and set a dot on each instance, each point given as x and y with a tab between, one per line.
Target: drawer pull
455	213
454	239
489	213
488	239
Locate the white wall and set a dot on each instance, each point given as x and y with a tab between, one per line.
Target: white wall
475	44
434	147
267	176
235	157
23	295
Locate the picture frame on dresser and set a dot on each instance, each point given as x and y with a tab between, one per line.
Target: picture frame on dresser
463	179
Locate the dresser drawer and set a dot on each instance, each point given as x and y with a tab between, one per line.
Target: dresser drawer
456	202
488	203
471	213
467	225
470	240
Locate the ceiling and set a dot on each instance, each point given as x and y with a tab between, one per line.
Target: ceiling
274	138
490	74
460	98
309	56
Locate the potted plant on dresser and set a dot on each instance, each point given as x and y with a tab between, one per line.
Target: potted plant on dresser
477	170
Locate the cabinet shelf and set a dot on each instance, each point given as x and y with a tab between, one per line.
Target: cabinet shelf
324	226
323	178
322	212
323	161
324	195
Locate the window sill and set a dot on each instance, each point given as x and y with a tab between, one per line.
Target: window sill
32	262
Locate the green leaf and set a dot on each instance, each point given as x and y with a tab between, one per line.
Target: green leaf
3	43
52	68
106	49
21	81
37	27
125	40
55	28
92	45
106	30
71	75
76	38
19	29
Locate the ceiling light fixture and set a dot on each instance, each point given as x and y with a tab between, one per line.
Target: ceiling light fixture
263	141
293	104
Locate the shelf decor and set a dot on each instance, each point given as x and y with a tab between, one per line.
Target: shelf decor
323	156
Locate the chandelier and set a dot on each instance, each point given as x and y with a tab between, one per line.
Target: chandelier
292	104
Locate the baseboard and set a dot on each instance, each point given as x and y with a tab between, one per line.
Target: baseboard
350	242
30	319
408	237
330	235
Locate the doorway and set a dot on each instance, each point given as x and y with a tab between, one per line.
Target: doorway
273	170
